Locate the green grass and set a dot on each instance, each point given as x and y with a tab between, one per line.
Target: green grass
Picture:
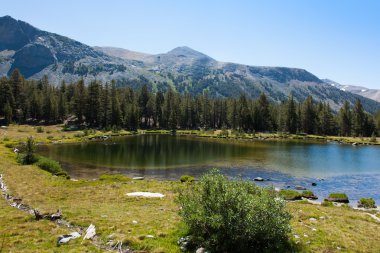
367	203
290	194
186	179
308	194
338	197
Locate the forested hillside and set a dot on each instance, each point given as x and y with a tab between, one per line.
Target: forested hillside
106	106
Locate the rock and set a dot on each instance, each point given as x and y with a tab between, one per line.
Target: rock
296	236
312	219
138	178
149	236
301	188
56	216
146	194
258	179
90	232
200	250
66	238
135	222
313	184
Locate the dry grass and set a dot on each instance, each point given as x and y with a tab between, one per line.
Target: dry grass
337	229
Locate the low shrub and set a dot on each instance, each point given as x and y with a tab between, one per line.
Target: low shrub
28	156
327	204
234	215
187	179
367	203
290	195
39	129
338	197
51	166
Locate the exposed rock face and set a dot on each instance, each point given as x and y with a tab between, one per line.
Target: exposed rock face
37	53
32	59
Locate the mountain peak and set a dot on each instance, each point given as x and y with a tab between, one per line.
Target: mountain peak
15	34
185	51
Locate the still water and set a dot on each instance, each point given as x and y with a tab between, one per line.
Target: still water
354	170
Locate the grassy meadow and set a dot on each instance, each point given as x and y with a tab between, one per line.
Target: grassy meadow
133	221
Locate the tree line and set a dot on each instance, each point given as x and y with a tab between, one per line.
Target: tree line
106	106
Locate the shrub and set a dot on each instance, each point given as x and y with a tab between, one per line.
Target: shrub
366	203
28	157
187	178
234	215
338	197
290	195
327	204
39	129
51	166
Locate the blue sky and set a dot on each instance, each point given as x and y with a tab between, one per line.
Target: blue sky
332	39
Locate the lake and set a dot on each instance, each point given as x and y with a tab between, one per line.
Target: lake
335	167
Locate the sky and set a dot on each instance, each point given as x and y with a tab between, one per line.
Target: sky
339	40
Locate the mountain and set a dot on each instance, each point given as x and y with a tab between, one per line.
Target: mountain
362	91
37	53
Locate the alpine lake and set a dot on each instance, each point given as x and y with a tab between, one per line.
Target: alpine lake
334	167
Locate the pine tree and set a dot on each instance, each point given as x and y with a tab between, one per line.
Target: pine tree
345	124
93	104
159	101
291	116
143	101
262	116
308	116
358	119
106	106
116	118
79	101
7	112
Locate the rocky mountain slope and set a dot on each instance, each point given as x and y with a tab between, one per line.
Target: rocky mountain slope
362	91
37	53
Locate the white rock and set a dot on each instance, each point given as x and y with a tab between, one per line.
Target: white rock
135	222
312	219
146	194
200	250
75	235
90	232
296	236
138	178
149	236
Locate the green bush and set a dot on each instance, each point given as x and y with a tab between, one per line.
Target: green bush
338	197
290	195
367	203
39	129
234	215
187	178
327	204
28	157
51	166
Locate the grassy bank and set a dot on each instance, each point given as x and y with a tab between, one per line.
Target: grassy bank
121	218
55	134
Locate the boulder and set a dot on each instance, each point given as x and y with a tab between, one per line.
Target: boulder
258	179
